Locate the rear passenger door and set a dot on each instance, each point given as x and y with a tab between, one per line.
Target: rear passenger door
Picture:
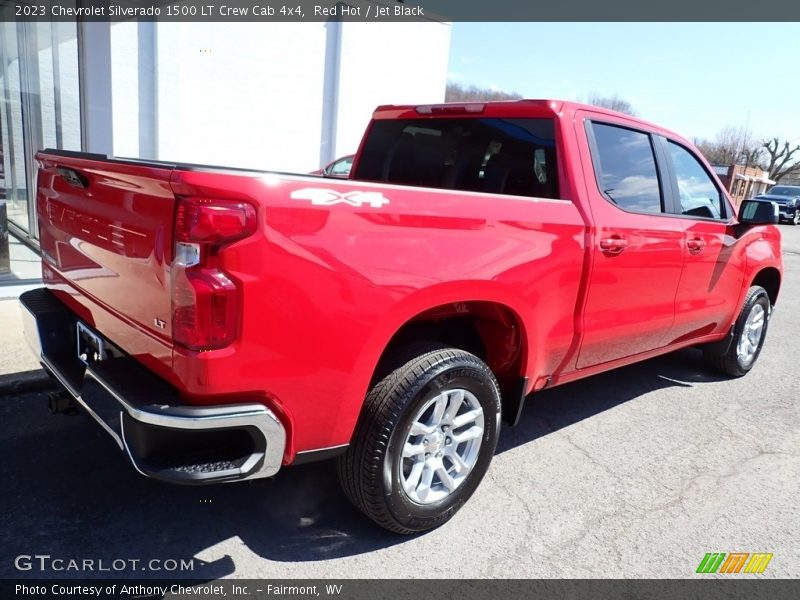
712	275
637	247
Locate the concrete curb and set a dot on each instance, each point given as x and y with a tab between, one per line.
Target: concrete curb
25	382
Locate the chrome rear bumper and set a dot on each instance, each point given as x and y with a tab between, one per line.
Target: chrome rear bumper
162	438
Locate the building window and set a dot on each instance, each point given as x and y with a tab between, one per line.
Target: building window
39	106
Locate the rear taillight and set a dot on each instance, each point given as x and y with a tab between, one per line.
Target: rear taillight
205	301
218	222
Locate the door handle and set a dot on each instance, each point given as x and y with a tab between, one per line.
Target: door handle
614	244
696	245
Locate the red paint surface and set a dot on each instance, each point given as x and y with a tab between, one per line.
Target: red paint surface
325	287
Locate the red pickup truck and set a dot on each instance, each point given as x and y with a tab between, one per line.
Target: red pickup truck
223	323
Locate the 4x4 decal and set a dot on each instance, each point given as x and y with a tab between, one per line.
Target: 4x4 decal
325	197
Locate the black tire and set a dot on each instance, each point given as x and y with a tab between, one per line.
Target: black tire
369	471
729	362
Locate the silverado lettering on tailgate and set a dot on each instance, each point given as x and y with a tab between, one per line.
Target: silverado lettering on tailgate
96	230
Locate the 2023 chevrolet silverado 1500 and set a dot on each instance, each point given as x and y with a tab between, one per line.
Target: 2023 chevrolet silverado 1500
223	323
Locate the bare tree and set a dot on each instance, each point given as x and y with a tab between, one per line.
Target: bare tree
612	103
459	93
782	159
731	146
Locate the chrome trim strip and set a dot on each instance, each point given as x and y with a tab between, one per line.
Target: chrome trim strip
45	362
102	423
50	369
303	452
128	450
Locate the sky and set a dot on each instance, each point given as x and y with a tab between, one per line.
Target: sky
692	78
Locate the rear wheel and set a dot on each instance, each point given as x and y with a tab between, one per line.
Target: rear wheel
749	333
424	441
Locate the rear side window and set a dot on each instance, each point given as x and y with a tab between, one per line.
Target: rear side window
626	168
500	156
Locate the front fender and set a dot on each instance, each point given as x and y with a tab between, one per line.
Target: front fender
763	251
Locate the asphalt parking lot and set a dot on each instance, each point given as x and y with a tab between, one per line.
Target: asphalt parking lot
635	473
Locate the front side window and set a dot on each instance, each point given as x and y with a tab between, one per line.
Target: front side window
699	195
626	167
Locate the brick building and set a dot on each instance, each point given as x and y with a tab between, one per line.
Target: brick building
743	182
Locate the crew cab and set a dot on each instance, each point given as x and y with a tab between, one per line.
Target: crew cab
223	324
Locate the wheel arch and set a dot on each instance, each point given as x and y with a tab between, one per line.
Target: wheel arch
770	279
482	319
490	330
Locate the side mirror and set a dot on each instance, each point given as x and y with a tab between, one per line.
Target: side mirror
758	212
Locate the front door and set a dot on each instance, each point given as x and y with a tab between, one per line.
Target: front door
712	275
638	249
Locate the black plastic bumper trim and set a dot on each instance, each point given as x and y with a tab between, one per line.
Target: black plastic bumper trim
309	456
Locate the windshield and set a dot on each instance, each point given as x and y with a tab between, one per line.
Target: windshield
785	190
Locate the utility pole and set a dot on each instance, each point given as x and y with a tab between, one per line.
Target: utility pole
746	154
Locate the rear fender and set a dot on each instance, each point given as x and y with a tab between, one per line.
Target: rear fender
417	304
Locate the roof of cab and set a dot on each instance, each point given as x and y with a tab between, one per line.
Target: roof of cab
513	109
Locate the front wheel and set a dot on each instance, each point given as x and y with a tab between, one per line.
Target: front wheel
749	333
424	441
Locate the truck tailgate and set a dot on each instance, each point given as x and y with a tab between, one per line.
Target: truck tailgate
106	231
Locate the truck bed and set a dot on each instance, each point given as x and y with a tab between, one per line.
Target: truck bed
331	271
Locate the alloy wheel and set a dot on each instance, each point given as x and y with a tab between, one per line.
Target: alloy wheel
442	446
750	338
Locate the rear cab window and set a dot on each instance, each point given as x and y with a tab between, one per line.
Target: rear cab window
515	156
